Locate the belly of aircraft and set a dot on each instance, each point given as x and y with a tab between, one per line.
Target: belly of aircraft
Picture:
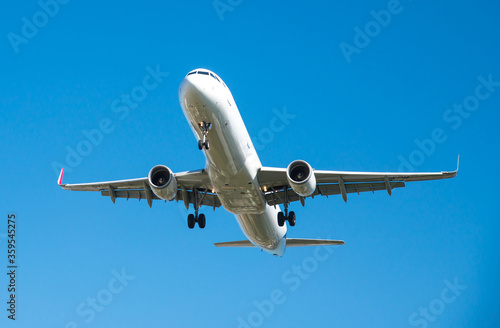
232	163
241	201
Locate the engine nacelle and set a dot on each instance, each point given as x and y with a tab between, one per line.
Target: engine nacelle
301	177
163	182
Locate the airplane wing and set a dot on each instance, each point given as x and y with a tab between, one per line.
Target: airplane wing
192	185
275	186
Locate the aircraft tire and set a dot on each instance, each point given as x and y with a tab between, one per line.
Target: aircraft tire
191	221
291	219
281	219
202	221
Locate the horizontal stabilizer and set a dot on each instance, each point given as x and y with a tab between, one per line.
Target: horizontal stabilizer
290	242
296	242
238	243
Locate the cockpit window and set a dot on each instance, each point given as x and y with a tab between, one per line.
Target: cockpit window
207	73
215	77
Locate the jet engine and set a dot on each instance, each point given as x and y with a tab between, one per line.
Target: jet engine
163	182
301	177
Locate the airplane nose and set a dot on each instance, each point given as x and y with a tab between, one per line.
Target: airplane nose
195	88
190	86
185	88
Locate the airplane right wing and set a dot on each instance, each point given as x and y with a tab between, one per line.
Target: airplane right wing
193	186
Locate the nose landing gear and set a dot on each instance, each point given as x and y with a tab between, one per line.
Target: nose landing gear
203	143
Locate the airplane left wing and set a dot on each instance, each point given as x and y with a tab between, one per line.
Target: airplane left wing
276	188
193	186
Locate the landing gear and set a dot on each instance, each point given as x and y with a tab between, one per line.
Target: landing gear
290	217
193	219
202	221
283	217
203	143
200	218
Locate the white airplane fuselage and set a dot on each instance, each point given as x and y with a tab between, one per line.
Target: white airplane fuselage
232	163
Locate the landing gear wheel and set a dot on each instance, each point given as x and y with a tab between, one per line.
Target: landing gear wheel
291	219
281	219
202	221
203	142
191	221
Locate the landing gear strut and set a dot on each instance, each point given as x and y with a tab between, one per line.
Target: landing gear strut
290	217
204	126
200	218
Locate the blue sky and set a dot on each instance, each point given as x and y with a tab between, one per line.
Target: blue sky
415	88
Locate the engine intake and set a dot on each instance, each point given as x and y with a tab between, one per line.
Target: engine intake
301	177
163	182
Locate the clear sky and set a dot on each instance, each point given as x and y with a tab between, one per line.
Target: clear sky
365	86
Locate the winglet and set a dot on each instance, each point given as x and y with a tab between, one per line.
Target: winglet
59	181
458	161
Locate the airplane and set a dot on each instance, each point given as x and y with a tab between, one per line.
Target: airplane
235	179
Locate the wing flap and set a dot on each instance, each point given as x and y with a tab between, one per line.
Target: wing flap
334	189
208	199
134	194
277	196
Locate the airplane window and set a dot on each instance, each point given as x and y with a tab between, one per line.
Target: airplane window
215	77
202	72
193	72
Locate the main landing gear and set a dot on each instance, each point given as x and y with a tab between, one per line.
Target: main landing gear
290	217
203	143
200	218
193	219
